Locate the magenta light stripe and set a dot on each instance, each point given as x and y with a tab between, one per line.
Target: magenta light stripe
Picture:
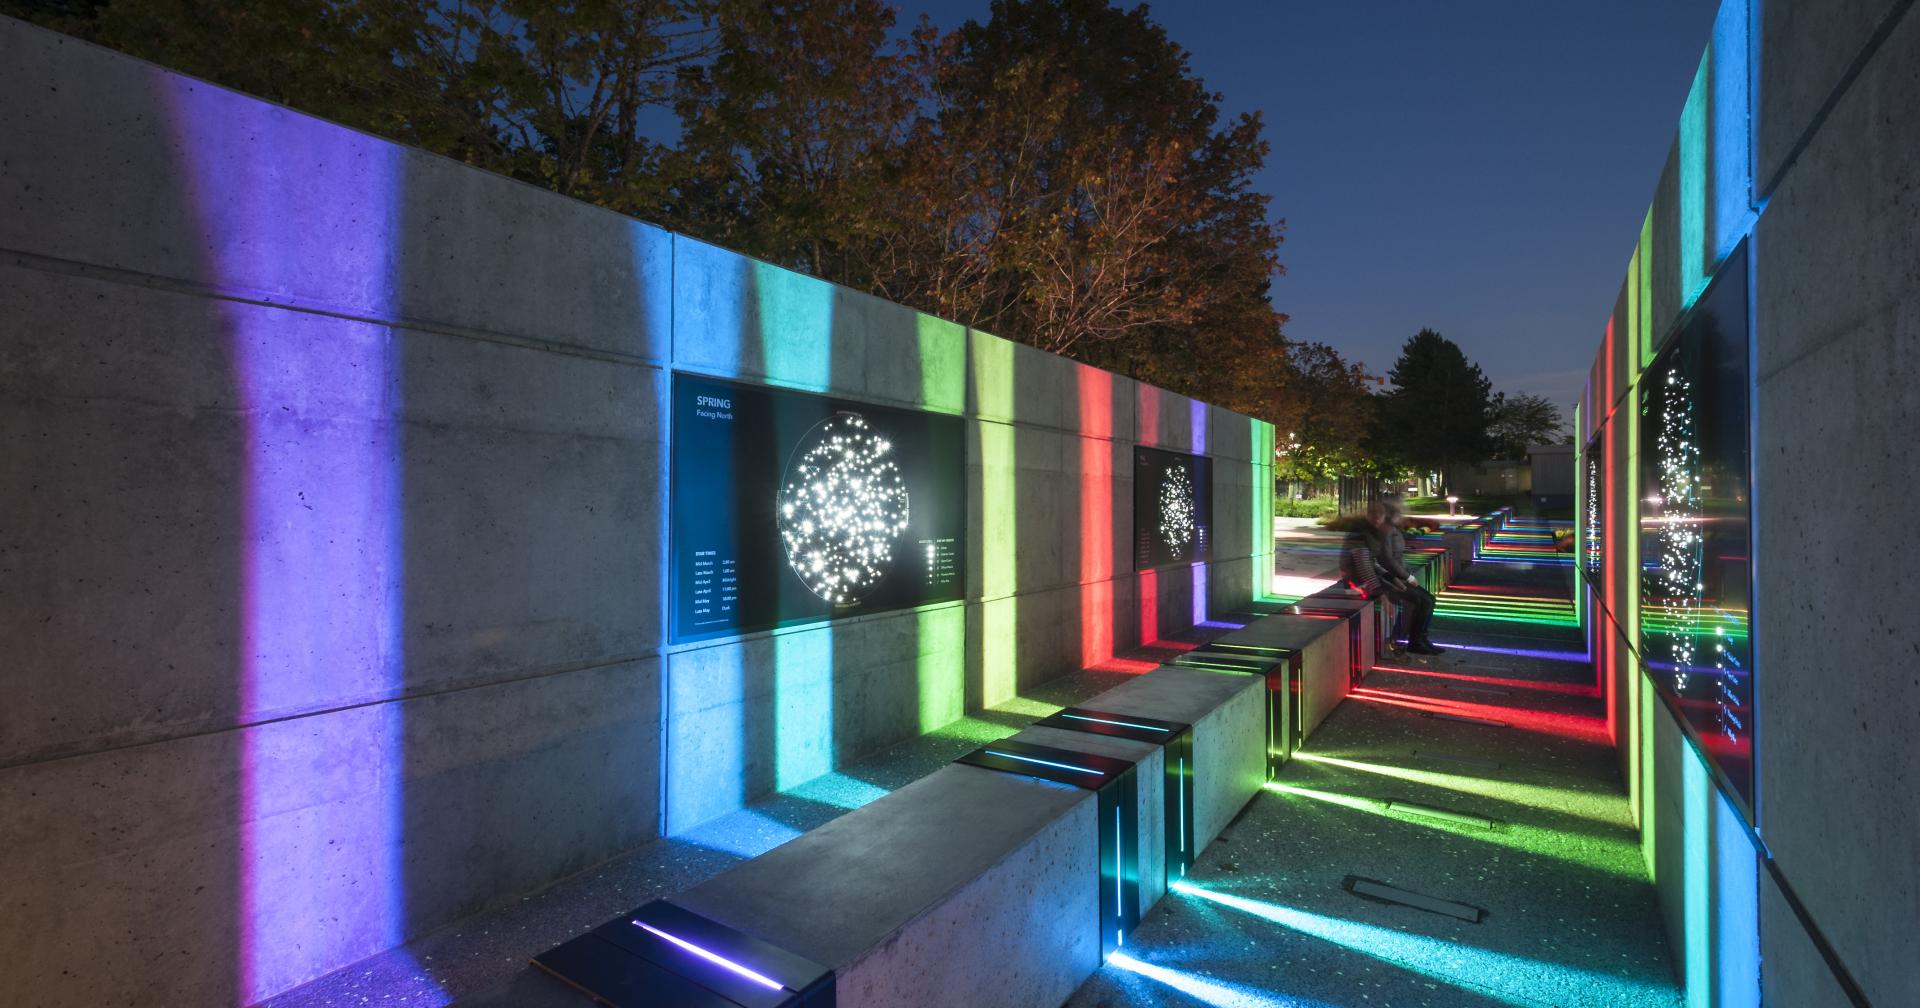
720	961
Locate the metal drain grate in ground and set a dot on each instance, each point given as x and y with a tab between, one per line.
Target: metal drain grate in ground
1428	754
1443	815
1372	889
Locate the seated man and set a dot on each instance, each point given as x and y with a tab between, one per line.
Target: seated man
1367	562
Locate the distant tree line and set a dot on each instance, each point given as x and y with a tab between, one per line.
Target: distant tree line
1054	174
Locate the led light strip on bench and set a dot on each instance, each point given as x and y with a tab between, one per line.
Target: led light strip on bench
1117	809
1176	742
664	956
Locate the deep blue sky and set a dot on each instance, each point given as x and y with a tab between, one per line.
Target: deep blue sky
1480	167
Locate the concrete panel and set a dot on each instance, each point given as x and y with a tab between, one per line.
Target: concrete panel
1228	713
1667	779
243	831
967	886
1229	434
1806	47
1792	971
1838	325
739	318
748	717
152	477
151	172
1015	383
1169	420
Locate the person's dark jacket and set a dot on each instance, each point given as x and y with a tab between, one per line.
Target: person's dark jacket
1360	558
1392	557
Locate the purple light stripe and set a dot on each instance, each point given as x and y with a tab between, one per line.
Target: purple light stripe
718	960
295	211
1565	656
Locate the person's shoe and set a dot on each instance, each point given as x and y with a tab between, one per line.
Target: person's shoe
1425	648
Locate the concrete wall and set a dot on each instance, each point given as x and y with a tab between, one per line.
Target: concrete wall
1802	133
333	593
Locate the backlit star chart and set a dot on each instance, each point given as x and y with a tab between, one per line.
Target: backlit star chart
842	508
1176	508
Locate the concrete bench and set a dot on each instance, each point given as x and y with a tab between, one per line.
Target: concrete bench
1324	664
968	886
979	886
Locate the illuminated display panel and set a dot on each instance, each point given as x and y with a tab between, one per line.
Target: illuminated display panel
1172	508
1694	526
1592	539
792	508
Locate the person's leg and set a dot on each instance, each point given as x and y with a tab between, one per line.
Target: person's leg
1419	618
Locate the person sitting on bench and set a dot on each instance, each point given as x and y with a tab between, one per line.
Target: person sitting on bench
1367	564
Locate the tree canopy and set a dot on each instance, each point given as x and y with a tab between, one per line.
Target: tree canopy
1519	421
1436	413
1054	173
1336	413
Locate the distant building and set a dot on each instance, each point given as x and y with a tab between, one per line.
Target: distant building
1552	467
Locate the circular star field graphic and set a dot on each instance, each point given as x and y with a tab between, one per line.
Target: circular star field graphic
841	509
1176	508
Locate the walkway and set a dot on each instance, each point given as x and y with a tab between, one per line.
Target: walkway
1570	917
1481	777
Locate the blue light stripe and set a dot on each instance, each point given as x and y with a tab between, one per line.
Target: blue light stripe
1041	762
1123	724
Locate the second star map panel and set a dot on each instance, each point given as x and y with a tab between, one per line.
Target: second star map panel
1172	508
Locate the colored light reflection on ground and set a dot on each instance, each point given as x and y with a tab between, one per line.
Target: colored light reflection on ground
1540	796
1601	848
1567	726
1495	682
1205	990
1464	966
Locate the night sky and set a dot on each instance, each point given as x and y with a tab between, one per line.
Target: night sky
1476	167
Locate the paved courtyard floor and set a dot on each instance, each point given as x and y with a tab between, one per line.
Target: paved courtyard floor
1481	777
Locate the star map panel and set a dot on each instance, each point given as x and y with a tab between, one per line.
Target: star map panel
790	508
1172	508
1695	505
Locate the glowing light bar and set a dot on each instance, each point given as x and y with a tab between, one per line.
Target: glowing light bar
1293	584
1041	762
1123	724
717	960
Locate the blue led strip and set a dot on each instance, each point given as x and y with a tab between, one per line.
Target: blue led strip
1123	724
1041	762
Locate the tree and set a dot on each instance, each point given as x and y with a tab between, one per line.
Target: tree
1516	422
549	93
1336	408
791	137
1073	185
1437	411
